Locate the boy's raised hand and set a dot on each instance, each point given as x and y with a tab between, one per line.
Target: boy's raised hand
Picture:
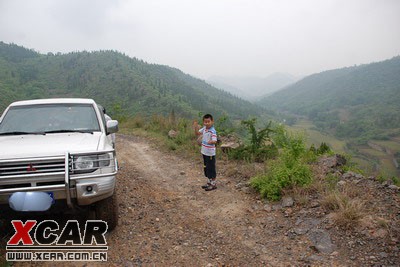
196	127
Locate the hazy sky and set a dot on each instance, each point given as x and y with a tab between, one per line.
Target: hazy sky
213	37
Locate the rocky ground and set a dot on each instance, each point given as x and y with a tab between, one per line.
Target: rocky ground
166	219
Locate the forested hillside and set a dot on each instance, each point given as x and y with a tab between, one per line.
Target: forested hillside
361	102
355	108
124	85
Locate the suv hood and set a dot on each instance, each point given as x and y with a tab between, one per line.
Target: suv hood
24	146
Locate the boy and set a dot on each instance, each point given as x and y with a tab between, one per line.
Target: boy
208	143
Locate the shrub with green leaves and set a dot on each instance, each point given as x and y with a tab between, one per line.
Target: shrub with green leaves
259	147
284	172
289	169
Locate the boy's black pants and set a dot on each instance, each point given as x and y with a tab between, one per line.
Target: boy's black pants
209	167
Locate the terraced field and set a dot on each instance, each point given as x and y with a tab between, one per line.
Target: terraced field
377	157
316	137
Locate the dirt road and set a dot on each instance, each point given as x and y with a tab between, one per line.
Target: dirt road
167	219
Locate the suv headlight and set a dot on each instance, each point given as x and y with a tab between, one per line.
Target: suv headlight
85	162
104	160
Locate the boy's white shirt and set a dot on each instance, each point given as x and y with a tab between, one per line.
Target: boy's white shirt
208	134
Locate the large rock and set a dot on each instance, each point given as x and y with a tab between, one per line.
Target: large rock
303	226
333	161
352	175
229	142
229	146
321	240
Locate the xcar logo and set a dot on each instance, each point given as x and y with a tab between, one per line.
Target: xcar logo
32	236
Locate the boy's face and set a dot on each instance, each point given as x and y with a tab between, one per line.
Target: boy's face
208	122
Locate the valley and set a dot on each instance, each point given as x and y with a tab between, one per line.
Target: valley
377	157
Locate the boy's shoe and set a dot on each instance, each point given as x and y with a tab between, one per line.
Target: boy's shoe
205	186
210	187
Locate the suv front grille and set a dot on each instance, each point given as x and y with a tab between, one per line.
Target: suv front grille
32	167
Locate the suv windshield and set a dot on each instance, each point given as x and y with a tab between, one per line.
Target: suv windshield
50	118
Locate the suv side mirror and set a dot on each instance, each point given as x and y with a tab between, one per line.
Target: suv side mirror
112	126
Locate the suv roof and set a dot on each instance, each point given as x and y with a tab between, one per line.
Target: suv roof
54	101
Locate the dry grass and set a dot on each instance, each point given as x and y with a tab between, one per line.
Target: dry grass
301	195
331	201
349	213
347	210
352	191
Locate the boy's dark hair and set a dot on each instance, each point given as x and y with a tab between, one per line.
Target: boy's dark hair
208	116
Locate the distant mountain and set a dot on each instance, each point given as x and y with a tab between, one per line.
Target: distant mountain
120	83
229	88
252	88
361	102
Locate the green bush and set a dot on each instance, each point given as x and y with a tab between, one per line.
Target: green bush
259	147
260	155
285	172
288	170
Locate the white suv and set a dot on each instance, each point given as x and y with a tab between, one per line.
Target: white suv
58	153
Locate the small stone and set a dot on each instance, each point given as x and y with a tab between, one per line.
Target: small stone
246	190
157	219
348	175
387	183
315	258
287	202
182	173
300	231
267	208
277	207
239	185
314	204
393	187
383	255
341	183
359	176
288	212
